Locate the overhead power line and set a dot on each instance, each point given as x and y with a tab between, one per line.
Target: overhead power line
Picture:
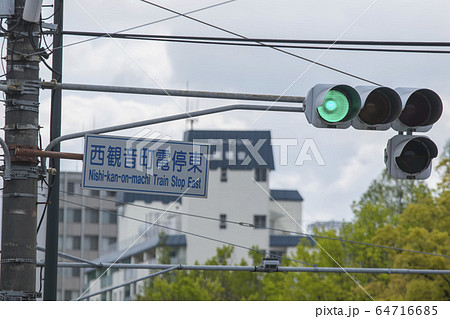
265	40
249	43
262	44
187	233
260	269
250	225
150	23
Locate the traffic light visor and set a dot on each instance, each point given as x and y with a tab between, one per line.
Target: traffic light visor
383	105
423	108
416	155
335	107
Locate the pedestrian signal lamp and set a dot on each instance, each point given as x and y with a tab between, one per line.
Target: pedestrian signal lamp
409	157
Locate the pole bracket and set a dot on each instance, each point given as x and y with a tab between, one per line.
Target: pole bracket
21	126
15	157
30	87
24	172
18	261
6	295
22	67
22	105
19	195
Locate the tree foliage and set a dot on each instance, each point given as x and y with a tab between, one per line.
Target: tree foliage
206	285
395	213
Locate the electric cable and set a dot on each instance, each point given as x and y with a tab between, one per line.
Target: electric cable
54	12
1	52
230	42
50	187
148	23
256	40
261	43
250	225
188	233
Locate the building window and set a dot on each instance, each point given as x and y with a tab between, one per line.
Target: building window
223	221
110	194
91	242
259	221
139	258
70	188
223	174
151	254
106	280
61	215
69	295
72	272
73	215
127	293
109	217
92	216
261	174
75	272
60	242
107	243
95	193
73	242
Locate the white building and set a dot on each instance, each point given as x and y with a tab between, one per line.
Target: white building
87	227
238	192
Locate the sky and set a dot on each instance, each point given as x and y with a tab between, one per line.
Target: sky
352	158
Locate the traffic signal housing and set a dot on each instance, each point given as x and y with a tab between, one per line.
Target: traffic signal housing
332	106
380	107
409	157
421	108
372	107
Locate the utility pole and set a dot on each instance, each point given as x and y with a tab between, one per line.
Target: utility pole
51	240
18	259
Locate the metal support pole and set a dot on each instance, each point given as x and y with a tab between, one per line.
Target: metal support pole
18	273
171	92
52	232
259	268
21	152
70	257
175	117
127	283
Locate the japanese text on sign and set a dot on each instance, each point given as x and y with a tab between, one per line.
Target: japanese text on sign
142	165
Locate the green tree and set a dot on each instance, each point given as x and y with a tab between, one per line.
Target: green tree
396	213
423	226
206	285
314	286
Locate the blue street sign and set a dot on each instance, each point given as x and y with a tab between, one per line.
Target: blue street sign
142	165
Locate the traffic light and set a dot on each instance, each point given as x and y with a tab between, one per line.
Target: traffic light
332	106
409	157
380	108
421	109
372	107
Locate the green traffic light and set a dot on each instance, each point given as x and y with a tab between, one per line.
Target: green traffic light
335	106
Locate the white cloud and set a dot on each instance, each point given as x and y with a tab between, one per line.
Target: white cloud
353	158
125	63
358	167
